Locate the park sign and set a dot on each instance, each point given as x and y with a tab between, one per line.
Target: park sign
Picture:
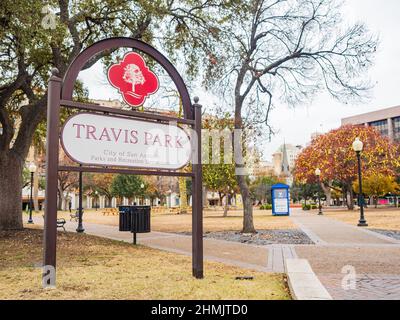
118	141
104	140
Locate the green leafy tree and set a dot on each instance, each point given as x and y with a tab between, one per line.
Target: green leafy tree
128	186
308	191
261	188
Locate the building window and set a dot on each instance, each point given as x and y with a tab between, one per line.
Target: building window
381	126
396	129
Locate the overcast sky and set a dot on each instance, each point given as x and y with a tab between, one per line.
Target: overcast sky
295	126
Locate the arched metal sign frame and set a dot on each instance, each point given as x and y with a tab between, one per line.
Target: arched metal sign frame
60	95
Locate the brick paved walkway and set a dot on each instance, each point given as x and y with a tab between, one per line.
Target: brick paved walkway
367	287
352	263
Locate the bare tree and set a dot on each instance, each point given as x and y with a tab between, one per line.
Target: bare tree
287	51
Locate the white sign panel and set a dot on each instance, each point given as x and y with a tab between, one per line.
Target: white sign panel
114	141
281	205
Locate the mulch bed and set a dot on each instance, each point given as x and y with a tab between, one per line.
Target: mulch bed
389	233
262	237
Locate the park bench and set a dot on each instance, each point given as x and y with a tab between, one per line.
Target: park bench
75	216
60	223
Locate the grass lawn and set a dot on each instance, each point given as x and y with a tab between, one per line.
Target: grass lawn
213	220
95	268
381	218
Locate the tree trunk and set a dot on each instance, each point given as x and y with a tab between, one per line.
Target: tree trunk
328	193
205	201
10	191
226	205
61	200
248	225
344	195
350	197
220	199
183	195
36	191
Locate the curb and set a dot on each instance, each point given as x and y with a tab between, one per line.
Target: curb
303	283
317	240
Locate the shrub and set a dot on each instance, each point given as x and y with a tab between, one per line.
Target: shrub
306	207
266	207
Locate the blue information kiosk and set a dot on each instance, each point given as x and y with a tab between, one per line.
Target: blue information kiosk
280	200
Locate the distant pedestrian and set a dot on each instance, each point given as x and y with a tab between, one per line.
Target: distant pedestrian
70	206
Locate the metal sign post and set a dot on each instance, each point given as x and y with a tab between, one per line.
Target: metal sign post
134	73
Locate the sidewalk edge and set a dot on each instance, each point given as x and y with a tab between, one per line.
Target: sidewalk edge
303	282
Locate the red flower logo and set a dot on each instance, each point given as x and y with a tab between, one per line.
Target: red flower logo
133	79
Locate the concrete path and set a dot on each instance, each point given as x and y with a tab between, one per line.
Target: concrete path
260	258
326	231
351	262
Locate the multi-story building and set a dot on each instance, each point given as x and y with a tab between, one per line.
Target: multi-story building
386	121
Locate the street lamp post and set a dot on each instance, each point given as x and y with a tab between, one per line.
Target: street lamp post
32	169
96	198
358	147
318	174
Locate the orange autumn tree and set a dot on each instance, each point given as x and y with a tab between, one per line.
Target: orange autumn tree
332	153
